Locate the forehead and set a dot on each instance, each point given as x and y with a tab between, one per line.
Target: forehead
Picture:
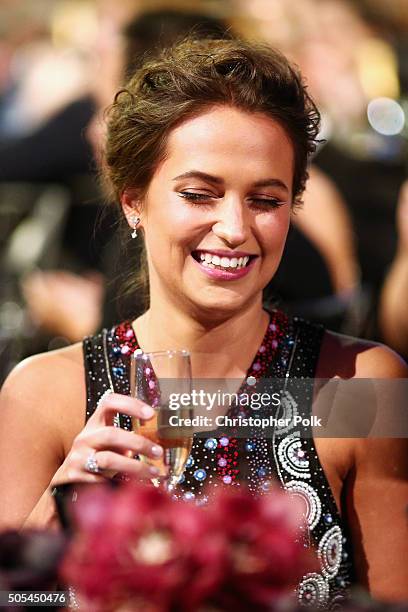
224	138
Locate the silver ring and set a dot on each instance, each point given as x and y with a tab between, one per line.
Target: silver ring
91	464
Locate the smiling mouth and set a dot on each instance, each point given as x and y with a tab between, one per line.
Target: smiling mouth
218	262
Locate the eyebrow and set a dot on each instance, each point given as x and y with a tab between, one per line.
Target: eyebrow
269	182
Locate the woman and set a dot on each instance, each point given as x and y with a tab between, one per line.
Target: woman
207	150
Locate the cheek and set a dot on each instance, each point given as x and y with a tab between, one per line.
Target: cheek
176	224
272	231
169	232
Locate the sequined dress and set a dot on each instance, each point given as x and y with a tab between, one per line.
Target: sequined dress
289	350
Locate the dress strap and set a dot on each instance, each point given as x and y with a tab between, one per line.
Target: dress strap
306	350
301	473
107	364
97	370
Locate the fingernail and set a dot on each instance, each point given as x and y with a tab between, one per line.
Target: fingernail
154	471
147	412
157	450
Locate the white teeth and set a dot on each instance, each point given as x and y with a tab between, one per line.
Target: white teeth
210	261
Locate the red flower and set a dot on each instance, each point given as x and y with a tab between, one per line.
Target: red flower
266	556
139	547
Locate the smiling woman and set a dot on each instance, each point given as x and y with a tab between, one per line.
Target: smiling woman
229	205
207	154
166	93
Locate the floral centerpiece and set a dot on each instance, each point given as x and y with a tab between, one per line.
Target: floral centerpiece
135	548
140	549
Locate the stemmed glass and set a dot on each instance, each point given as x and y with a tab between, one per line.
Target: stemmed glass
159	379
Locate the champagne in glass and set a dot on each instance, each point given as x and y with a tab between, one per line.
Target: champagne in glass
158	379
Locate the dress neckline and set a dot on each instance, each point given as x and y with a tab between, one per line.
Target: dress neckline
271	343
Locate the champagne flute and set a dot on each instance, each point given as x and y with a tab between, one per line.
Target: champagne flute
158	379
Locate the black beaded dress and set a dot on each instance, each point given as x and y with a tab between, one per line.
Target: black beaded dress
289	350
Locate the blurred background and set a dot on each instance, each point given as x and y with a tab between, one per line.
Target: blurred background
62	263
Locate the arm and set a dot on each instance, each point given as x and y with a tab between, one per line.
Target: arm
393	315
43	440
36	410
377	495
370	475
377	507
325	220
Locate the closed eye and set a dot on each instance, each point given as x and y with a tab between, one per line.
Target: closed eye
196	199
266	203
260	203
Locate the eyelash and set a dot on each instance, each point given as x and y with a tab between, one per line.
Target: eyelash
199	199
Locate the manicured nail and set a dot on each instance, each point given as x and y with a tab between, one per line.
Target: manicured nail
147	412
157	450
154	471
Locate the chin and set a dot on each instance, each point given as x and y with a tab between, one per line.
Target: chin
217	306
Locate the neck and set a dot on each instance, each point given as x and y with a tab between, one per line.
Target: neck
221	348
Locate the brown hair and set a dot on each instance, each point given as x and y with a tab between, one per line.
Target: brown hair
187	79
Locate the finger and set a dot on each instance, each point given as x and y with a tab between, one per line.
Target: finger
114	438
79	475
114	402
110	462
75	470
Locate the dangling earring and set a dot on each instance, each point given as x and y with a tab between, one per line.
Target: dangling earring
135	222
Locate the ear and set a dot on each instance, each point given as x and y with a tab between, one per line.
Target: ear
131	205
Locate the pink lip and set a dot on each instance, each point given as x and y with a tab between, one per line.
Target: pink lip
224	274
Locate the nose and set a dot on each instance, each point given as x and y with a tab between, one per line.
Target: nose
232	225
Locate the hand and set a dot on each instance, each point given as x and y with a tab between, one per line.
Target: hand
64	303
112	447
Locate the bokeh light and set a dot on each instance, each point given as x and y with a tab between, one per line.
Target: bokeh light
386	116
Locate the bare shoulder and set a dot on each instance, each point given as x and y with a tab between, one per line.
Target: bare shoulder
61	369
344	358
47	390
374	482
347	357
